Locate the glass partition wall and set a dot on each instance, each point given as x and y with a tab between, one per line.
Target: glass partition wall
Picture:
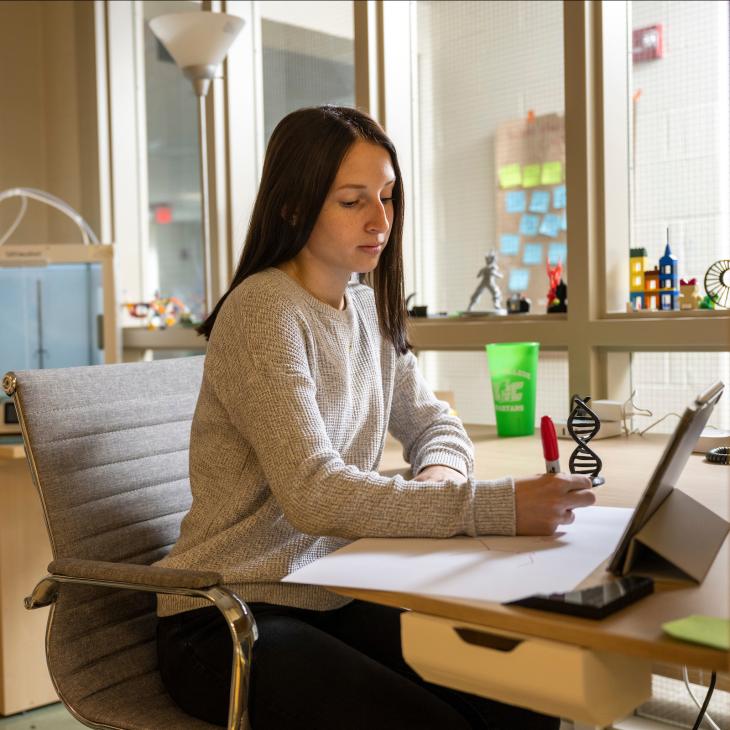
174	258
289	55
489	157
646	150
451	83
308	56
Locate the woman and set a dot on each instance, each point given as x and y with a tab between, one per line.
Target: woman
305	373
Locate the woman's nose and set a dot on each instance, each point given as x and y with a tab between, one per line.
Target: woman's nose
378	220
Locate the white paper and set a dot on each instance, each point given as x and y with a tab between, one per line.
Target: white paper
498	569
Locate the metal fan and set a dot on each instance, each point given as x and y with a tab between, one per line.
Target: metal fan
717	283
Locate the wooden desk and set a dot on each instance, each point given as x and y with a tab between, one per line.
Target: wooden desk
635	631
24	557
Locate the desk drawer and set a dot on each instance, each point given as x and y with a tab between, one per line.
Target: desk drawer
559	679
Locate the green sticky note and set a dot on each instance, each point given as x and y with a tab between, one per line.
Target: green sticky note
552	173
530	176
714	632
510	176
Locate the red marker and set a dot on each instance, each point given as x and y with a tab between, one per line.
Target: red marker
549	445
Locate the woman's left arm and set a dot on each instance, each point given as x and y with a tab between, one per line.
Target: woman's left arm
430	436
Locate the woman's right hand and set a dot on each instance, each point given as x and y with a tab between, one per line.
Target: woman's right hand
545	501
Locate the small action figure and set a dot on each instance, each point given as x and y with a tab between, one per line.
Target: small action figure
517	304
689	296
488	274
557	297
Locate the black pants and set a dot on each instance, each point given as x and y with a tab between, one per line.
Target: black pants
320	670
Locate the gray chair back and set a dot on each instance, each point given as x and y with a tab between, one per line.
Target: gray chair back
109	448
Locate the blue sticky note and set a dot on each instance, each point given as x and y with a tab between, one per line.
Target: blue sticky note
519	279
509	244
559	197
532	253
564	221
540	201
515	201
550	225
529	225
557	252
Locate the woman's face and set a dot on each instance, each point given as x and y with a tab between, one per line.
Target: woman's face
355	221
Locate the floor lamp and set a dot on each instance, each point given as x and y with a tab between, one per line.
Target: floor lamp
198	42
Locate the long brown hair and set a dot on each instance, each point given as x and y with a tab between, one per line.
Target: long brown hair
302	160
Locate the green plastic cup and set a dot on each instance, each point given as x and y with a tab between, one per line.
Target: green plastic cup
513	369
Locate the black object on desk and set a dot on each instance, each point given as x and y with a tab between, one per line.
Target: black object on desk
718	455
596	603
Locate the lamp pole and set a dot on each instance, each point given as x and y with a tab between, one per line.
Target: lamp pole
205	201
201	76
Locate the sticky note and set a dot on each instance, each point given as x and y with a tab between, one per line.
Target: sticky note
550	225
519	279
564	222
714	632
559	197
531	176
540	201
552	173
529	225
515	201
557	252
532	253
510	175
509	244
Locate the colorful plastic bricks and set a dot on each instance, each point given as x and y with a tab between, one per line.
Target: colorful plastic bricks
655	288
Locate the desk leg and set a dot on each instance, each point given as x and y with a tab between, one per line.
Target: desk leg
24	556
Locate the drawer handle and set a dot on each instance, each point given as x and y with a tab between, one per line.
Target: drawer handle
490	641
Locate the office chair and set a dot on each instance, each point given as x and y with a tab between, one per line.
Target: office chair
107	446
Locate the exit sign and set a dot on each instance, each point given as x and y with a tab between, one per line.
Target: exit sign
647	43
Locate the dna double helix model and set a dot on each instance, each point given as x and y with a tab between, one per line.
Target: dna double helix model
583	425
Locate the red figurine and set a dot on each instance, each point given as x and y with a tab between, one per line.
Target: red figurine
555	275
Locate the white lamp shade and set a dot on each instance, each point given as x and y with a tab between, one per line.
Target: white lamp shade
197	38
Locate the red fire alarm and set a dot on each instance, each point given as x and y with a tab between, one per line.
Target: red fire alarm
647	43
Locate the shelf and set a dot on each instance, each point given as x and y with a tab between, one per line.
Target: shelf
9	452
652	331
670	314
172	338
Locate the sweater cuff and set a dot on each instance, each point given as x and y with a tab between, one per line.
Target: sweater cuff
494	507
445	457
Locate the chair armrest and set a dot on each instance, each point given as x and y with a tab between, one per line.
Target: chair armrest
149	576
199	583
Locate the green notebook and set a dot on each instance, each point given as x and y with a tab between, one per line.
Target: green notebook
714	632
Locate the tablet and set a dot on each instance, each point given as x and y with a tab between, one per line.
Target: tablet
668	469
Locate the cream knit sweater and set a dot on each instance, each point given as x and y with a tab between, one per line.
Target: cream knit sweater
288	431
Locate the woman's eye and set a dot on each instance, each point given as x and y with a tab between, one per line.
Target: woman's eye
349	203
387	200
